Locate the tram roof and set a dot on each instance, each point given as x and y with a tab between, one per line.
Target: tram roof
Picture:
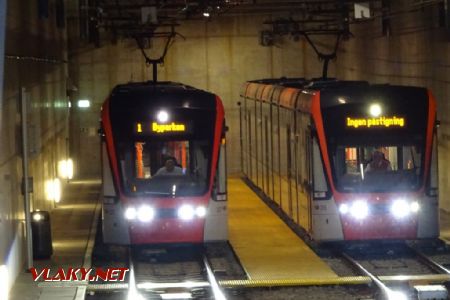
296	92
162	94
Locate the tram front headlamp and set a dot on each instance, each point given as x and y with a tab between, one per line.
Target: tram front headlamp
130	213
359	209
375	110
145	213
162	116
186	212
200	211
343	208
400	208
414	206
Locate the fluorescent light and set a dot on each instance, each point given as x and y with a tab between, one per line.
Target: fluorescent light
65	168
53	190
84	103
37	217
342	100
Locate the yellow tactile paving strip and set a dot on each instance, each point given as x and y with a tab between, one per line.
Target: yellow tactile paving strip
266	247
411	279
445	226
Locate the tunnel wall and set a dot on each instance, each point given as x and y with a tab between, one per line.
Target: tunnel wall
35	51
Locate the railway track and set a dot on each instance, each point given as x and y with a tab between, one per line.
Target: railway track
396	278
184	272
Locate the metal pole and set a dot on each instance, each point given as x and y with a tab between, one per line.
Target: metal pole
2	45
155	71
26	195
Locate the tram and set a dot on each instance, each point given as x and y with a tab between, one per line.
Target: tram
345	160
163	165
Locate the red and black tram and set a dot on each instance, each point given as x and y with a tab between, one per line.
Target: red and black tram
163	158
346	160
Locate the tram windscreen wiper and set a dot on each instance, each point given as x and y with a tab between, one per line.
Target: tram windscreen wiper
157	193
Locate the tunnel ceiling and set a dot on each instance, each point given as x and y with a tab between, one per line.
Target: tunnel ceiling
146	19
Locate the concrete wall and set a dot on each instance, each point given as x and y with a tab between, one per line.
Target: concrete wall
35	50
220	55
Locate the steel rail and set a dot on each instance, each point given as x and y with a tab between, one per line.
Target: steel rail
384	289
428	261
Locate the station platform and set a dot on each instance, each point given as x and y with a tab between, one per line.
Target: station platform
71	223
265	245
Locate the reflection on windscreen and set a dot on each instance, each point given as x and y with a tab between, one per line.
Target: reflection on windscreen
377	168
166	168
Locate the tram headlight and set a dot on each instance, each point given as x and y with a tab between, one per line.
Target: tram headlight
400	208
145	213
200	211
375	110
162	116
359	209
414	206
130	213
343	208
186	212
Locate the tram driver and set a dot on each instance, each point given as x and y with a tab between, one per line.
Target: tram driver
170	168
378	162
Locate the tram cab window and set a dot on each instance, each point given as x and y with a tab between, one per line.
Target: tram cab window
377	168
166	168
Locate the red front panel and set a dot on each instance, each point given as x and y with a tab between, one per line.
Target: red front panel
379	227
167	231
380	223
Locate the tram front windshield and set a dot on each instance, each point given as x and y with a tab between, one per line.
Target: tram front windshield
377	168
166	168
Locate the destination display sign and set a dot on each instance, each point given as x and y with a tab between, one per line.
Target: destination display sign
376	122
160	129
